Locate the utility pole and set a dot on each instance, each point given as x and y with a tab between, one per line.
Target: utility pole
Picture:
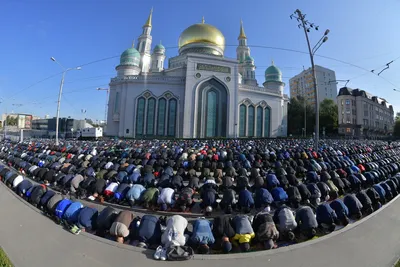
65	70
106	106
307	26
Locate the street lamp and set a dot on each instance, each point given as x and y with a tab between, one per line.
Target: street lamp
306	27
60	93
106	106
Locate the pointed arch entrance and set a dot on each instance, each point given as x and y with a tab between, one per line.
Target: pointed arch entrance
212	107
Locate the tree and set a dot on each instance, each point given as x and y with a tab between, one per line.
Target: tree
296	116
396	130
11	121
328	116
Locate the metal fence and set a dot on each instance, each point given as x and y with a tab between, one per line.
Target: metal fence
17	135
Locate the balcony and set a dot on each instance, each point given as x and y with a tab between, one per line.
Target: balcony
116	117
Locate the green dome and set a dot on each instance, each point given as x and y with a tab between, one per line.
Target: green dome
130	57
273	74
249	59
159	47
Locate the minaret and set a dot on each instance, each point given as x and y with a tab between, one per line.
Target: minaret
242	51
157	58
144	44
246	62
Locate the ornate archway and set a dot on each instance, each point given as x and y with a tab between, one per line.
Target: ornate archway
212	109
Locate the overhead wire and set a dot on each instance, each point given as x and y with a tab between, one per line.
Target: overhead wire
174	47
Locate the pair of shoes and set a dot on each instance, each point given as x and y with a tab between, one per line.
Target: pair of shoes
75	230
142	245
160	254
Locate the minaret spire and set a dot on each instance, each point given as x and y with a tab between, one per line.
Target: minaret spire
133	43
149	19
202	20
242	35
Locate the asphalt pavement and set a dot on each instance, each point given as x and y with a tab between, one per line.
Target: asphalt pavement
31	239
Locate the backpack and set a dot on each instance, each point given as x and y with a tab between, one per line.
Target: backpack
179	253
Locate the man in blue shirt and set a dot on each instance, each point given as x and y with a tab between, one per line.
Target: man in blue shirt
246	201
202	236
149	232
134	193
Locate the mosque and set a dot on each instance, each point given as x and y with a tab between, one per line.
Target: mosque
201	94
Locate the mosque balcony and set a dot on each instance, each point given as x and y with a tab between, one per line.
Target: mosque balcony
258	89
116	117
147	79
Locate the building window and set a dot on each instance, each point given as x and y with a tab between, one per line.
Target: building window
172	117
251	121
267	115
211	109
242	120
162	107
140	116
151	110
348	130
259	121
116	103
347	102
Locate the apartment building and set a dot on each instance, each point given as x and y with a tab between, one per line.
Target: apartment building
303	85
363	115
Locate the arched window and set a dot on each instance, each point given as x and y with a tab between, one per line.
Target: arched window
151	110
251	121
172	109
211	114
259	121
140	116
162	108
242	120
267	115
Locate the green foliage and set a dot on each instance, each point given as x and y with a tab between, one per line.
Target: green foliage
4	260
11	121
396	130
328	116
296	117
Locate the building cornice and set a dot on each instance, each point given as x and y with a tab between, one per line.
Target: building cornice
157	79
258	89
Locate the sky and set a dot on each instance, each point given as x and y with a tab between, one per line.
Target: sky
93	33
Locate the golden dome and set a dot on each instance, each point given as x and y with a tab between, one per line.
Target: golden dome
202	33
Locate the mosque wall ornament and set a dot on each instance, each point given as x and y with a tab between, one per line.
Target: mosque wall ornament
214	68
198	75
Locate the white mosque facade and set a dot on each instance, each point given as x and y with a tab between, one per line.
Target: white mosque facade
201	94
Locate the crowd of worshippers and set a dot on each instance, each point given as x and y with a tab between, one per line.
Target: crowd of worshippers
235	177
283	194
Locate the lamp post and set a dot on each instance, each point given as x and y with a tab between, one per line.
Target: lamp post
65	70
306	25
106	106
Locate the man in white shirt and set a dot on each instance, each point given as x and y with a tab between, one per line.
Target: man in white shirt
166	198
108	165
17	181
110	190
174	234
